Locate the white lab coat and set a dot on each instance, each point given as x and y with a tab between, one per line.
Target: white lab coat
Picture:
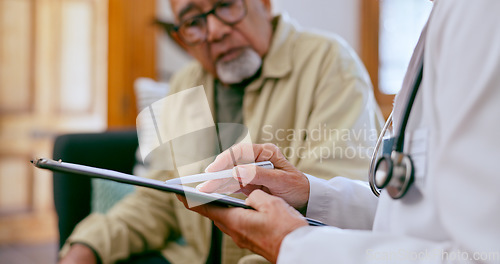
452	211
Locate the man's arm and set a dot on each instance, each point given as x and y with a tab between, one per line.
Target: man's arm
141	221
344	121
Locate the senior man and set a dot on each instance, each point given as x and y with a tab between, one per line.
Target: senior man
305	92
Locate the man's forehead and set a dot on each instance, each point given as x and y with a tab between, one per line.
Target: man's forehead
181	6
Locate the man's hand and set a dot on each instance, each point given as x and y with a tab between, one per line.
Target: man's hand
79	253
261	230
284	181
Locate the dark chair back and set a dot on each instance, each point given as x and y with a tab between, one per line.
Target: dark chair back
114	150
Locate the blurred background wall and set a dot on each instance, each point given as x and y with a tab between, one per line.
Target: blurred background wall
339	16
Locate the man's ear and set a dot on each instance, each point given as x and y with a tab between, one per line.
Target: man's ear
169	29
267	4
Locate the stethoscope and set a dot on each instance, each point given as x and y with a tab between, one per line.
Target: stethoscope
394	172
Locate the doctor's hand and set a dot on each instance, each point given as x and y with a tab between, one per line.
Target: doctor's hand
261	230
284	180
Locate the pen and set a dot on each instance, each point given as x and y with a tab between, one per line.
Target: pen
214	175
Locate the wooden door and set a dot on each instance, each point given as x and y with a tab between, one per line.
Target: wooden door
53	57
132	54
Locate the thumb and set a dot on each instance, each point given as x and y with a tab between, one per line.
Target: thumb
259	200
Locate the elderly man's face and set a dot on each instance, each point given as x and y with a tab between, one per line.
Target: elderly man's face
232	53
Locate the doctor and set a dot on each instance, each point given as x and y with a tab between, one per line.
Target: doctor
450	212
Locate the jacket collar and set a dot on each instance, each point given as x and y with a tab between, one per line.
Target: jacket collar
277	63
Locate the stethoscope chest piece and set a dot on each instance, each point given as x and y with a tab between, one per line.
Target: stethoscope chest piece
395	173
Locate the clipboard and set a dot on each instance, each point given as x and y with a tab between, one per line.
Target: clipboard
93	172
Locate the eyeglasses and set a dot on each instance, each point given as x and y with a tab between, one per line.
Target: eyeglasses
194	30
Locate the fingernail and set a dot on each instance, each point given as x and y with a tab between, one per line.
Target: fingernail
200	186
208	167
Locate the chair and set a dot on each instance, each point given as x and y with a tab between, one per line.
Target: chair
114	150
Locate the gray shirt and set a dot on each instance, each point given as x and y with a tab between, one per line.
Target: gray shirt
228	105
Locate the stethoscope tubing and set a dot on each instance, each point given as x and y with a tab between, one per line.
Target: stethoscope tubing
371	174
399	143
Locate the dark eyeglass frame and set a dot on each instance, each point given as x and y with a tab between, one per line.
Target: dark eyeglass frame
175	28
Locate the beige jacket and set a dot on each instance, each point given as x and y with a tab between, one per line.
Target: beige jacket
313	99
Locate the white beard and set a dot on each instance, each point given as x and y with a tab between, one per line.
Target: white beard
239	69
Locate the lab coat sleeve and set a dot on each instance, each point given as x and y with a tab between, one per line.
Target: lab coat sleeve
341	202
334	245
463	163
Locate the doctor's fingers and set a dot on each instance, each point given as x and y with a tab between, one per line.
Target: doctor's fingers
260	230
292	185
245	227
205	209
274	220
216	213
214	186
264	202
225	186
247	153
237	154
